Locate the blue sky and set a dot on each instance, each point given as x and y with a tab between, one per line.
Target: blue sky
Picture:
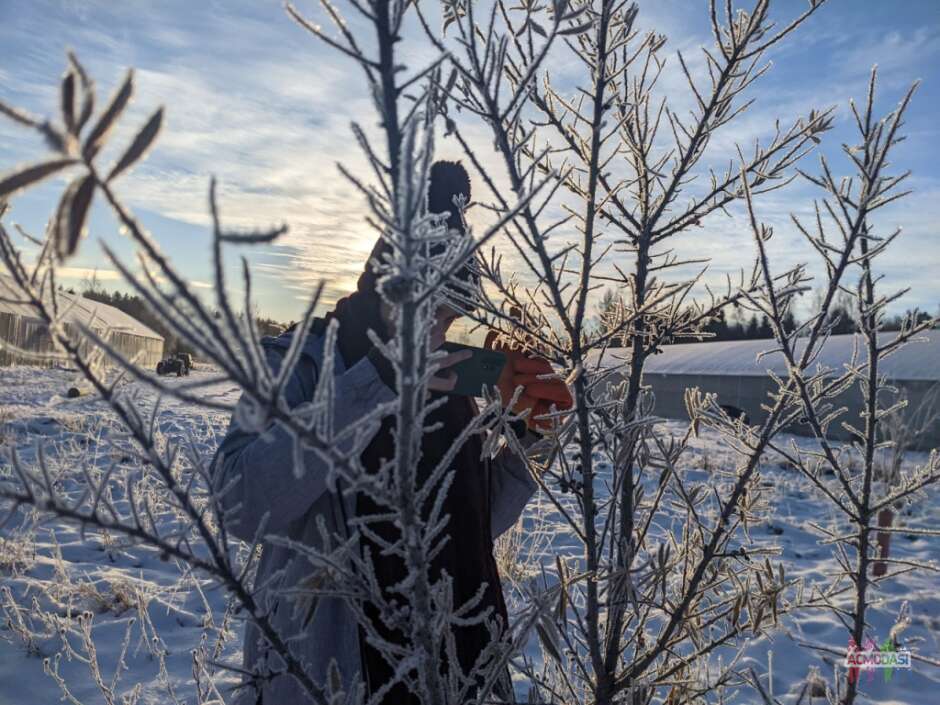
255	100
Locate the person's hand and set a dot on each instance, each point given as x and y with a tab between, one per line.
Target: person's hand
538	394
446	383
438	383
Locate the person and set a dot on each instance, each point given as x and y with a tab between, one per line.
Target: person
485	498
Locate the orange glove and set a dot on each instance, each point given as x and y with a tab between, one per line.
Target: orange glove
537	394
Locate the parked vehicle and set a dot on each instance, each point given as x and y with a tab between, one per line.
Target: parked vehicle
179	364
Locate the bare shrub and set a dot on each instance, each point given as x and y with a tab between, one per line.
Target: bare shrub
650	574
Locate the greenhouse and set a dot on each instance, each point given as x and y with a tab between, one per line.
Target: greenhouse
28	338
732	371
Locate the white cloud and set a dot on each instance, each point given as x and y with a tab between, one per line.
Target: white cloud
267	110
900	56
88	274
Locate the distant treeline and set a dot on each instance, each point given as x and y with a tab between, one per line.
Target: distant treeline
754	327
759	328
134	306
720	328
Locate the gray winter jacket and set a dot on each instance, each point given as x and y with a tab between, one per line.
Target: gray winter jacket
260	467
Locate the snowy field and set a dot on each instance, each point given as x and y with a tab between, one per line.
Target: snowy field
154	625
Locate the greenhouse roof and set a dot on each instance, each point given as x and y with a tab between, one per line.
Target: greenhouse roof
78	308
918	360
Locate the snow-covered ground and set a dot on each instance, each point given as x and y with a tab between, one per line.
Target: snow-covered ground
163	612
157	615
793	504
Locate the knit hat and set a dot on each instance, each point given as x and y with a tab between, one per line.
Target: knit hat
447	180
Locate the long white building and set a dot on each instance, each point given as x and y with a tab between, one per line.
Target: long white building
740	377
23	330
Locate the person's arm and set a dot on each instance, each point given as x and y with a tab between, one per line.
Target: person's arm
512	485
261	465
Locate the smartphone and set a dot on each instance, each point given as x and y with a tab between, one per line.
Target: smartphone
483	368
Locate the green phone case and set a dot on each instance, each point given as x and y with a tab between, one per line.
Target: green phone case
484	367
